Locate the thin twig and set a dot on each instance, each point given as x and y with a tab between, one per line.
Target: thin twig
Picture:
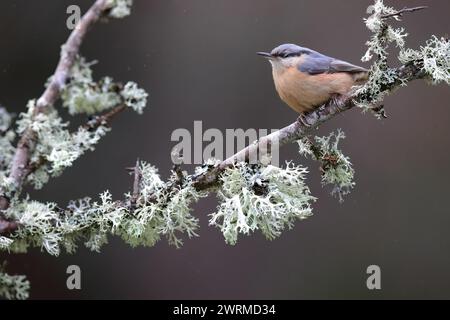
7	227
136	183
104	119
402	11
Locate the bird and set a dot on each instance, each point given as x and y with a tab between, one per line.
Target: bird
306	79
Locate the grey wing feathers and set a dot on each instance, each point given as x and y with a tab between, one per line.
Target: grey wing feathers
342	66
317	63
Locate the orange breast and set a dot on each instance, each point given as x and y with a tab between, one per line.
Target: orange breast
304	92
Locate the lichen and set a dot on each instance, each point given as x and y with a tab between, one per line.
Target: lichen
54	148
5	120
134	97
7	150
5	242
57	147
7	184
83	95
119	8
161	209
13	287
7	138
336	168
268	198
381	74
433	58
383	34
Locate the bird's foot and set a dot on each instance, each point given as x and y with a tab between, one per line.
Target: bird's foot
303	119
339	101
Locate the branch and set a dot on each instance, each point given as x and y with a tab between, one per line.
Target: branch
7	227
402	11
69	52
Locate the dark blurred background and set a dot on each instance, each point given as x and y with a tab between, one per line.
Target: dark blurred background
196	58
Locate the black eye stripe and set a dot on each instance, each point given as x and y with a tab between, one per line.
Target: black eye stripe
291	54
286	54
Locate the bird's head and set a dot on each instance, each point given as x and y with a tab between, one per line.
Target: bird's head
285	55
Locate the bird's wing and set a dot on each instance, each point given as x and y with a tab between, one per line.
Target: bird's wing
342	66
317	63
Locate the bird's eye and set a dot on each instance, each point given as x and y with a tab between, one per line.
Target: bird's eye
285	54
292	54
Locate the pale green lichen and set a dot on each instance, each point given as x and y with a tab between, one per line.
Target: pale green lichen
261	198
7	150
381	75
37	221
5	242
57	145
46	225
383	34
83	95
134	97
5	120
206	166
7	184
119	8
7	138
13	287
435	56
161	209
336	168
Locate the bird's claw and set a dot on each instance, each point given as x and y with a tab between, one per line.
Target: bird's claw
303	119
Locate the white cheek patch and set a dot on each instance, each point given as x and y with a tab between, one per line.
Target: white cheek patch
292	61
277	65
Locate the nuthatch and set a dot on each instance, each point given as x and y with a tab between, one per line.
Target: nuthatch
306	79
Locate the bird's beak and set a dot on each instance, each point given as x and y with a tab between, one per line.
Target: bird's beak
265	55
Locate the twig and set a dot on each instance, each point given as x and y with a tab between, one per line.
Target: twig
179	172
104	119
7	227
402	11
136	184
